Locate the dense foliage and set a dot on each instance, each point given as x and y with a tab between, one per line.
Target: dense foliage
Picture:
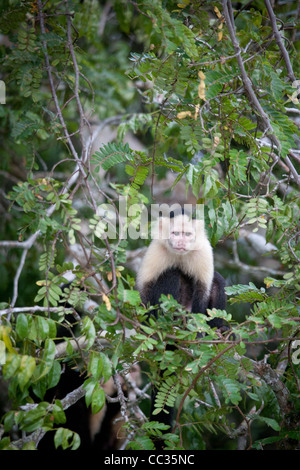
210	89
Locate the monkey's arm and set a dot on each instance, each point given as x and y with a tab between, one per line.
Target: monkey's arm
217	300
200	299
167	283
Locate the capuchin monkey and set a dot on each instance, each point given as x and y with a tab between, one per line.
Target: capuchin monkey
179	262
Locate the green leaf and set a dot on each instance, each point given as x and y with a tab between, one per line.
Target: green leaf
65	438
48	354
34	419
9	421
269	421
58	413
132	297
112	154
231	391
107	368
98	399
11	366
2	352
95	395
89	386
22	326
45	380
166	395
26	370
89	331
42	327
141	443
95	366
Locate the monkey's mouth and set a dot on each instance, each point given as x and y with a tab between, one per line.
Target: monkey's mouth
180	249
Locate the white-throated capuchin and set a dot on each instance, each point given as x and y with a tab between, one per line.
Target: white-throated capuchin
179	262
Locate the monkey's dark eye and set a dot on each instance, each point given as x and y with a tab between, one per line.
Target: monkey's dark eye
188	234
175	233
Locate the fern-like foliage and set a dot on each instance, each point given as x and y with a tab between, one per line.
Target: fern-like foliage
138	175
245	293
111	154
166	395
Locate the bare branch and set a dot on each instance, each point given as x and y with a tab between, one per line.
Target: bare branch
272	379
35	308
83	120
121	397
17	277
27	245
279	41
52	86
227	9
268	129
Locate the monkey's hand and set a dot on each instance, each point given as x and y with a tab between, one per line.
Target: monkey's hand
223	330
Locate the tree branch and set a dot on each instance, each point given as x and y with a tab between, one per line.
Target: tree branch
279	41
27	245
268	129
227	9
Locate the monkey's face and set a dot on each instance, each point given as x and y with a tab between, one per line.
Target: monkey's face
182	236
181	242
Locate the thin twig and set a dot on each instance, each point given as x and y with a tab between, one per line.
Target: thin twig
121	397
194	382
279	41
268	129
27	245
